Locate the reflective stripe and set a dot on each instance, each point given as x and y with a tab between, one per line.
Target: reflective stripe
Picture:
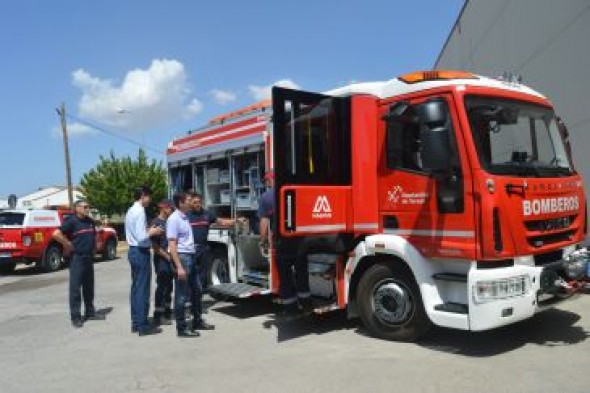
429	233
303	295
81	231
321	228
290	300
366	226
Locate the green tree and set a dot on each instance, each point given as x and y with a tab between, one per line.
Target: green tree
110	185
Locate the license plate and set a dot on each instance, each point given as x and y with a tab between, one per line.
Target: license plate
5	255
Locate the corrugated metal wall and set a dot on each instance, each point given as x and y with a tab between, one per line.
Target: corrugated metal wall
545	41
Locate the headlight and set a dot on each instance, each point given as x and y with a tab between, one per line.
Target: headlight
486	291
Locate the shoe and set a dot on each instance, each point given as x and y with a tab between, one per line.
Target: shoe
290	311
202	325
188	333
95	317
77	322
149	331
134	330
306	304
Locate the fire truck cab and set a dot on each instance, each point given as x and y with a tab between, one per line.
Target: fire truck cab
438	197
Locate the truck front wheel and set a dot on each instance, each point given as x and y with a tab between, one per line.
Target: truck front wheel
390	304
52	259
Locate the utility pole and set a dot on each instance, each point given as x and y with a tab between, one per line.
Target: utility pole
62	114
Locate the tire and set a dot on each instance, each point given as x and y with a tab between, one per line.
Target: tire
52	259
390	304
7	268
217	272
110	250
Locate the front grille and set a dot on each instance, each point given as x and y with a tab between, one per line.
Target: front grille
548	257
543	240
551	224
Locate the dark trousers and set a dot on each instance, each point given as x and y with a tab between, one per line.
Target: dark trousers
185	290
81	280
293	279
201	262
139	297
164	285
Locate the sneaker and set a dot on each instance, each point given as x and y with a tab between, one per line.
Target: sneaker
149	331
188	333
77	322
202	325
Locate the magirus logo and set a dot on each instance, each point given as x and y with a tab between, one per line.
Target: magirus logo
322	208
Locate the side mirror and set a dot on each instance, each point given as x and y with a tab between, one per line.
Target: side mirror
435	132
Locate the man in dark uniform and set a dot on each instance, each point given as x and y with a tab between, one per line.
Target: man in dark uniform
82	231
200	220
293	290
162	267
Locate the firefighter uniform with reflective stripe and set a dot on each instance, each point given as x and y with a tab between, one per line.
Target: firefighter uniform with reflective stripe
164	276
82	232
200	222
293	287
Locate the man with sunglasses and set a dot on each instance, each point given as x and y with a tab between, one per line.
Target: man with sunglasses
80	228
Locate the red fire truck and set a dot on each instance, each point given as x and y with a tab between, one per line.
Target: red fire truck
25	237
438	197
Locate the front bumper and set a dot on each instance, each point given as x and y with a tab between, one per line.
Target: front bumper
547	285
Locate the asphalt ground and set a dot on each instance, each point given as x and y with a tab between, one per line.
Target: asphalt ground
250	351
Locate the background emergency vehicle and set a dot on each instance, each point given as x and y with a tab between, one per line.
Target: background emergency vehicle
25	237
438	197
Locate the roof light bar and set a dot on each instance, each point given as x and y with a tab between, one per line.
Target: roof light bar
422	76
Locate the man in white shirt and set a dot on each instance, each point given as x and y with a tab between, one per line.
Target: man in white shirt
138	238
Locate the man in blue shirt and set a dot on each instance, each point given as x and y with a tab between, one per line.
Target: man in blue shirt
182	251
138	236
200	220
82	231
293	289
162	267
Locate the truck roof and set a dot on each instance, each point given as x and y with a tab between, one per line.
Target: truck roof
246	127
396	86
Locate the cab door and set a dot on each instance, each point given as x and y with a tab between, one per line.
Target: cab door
429	202
312	150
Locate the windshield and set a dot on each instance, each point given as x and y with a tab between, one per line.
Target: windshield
8	219
517	138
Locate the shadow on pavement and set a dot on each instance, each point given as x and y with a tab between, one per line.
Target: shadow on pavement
309	324
550	328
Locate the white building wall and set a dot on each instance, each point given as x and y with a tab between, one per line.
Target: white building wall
545	41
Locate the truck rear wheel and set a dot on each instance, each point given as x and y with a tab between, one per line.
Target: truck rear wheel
218	271
110	250
390	304
7	268
52	259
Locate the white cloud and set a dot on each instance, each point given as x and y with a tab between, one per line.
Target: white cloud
74	130
223	97
146	98
264	92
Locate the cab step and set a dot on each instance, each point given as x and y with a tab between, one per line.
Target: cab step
452	307
239	290
455	277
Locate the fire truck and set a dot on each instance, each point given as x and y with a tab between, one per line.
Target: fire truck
25	238
435	198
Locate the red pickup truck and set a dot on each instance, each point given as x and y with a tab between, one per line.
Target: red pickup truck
25	237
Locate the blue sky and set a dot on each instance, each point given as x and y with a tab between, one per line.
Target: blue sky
149	70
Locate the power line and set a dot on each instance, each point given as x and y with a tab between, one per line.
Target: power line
116	135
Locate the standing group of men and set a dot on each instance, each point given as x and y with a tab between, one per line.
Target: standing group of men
179	238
